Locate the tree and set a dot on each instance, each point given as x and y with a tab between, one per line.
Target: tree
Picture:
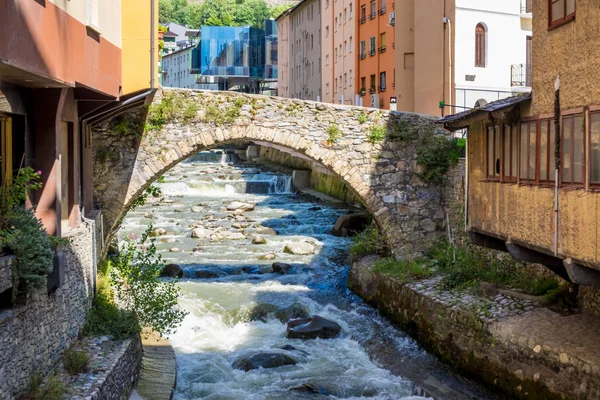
165	10
278	9
251	12
217	12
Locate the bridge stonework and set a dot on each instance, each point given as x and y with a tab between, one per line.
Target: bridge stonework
383	173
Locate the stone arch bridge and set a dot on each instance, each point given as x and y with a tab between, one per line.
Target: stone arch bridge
348	141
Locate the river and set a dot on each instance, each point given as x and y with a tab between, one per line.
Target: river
226	278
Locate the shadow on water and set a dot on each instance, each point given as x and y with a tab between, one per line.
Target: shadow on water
319	282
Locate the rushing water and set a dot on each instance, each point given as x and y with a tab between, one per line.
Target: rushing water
370	359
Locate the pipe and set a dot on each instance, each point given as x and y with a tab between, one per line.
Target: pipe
466	180
557	127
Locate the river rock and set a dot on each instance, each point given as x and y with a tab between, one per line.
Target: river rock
198	209
259	240
315	208
168	240
174	249
261	312
233	235
281	268
299	248
238	205
263	360
148	215
158	232
263	230
201	233
209	274
268	256
172	271
240	218
351	224
295	311
238	225
238	212
312	328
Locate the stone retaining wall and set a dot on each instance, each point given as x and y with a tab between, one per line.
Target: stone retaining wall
516	346
33	336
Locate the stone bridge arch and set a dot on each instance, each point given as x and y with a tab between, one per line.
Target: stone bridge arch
349	141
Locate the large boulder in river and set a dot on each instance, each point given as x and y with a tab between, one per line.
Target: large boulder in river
238	205
261	312
209	273
312	328
158	232
259	240
281	268
201	233
233	235
268	256
295	311
263	360
172	271
351	224
299	248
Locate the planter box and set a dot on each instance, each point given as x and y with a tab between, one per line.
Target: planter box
6	273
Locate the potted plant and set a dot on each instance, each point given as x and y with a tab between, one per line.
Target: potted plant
362	91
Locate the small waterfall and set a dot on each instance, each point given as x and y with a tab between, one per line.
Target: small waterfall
213	157
279	184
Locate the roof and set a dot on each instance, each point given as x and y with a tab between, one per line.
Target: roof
464	118
289	10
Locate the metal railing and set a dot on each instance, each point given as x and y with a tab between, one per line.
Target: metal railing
363	56
526	6
372	52
382	88
382	49
382	11
520	75
362	20
372	15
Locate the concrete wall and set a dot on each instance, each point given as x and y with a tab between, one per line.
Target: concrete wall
569	50
284	45
35	335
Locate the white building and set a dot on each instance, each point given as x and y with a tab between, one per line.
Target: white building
493	50
176	68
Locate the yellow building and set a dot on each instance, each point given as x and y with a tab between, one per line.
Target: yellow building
534	162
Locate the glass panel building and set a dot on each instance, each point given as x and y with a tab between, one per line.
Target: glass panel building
237	52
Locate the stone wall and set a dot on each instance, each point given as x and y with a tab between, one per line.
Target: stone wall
33	336
516	346
383	173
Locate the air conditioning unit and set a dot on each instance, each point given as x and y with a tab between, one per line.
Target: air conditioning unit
392	19
374	101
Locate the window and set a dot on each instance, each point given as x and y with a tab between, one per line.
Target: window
336	84
350	48
327	88
345	15
494	143
373	83
363	83
510	143
373	10
351	78
382	82
560	11
480	45
345	80
350	11
382	42
363	49
327	59
363	14
572	150
595	148
336	23
336	54
327	6
528	154
372	46
546	150
327	31
345	48
383	9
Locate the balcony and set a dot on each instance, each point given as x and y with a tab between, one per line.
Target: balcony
372	15
382	88
526	6
372	52
362	91
362	20
362	56
382	49
372	90
382	11
520	75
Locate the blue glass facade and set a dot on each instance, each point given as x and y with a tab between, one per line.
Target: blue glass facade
237	51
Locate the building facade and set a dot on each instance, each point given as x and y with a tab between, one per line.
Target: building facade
338	42
460	54
534	162
64	66
375	55
300	78
237	57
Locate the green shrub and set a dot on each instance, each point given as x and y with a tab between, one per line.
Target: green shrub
221	117
367	242
436	153
75	361
123	126
405	270
362	118
333	134
376	133
151	190
52	389
169	108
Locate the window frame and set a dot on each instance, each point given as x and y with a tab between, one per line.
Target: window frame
480	48
494	177
588	123
513	135
565	19
529	121
550	167
580	111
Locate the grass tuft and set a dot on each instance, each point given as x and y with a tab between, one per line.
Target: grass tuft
75	361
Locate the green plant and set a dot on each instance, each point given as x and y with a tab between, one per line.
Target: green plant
161	179
151	190
404	269
333	134
436	153
123	126
105	154
219	117
52	389
169	108
362	117
376	133
26	238
14	193
135	280
367	242
75	361
402	131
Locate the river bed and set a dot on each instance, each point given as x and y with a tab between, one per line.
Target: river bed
227	277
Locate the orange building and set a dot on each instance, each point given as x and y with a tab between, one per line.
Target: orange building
375	55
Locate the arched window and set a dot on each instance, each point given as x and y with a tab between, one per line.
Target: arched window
480	45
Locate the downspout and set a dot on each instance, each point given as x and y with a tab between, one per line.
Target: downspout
466	180
444	21
556	158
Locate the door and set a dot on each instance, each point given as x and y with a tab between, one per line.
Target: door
6	148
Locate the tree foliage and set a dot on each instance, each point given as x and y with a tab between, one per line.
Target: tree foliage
135	278
218	12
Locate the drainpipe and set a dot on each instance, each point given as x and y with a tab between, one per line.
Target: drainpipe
556	157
